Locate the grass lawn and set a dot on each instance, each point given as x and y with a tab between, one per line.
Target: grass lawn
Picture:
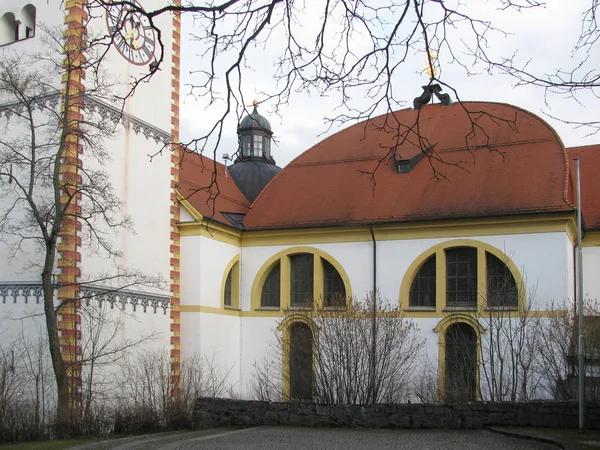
587	440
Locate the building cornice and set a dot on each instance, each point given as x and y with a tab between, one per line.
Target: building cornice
32	293
93	104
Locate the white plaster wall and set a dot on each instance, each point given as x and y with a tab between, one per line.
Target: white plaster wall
213	336
19	318
185	216
25	267
591	273
259	344
542	258
570	273
203	263
143	187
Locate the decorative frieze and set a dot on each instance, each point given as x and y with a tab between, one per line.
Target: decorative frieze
21	292
92	104
31	293
123	298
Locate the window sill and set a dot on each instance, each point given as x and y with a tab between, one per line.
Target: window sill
420	308
333	308
459	308
268	308
231	308
501	308
300	308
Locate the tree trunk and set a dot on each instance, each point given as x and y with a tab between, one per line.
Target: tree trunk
58	365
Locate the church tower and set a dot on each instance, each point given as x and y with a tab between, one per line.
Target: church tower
138	107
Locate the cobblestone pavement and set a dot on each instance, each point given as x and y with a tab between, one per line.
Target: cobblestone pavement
290	438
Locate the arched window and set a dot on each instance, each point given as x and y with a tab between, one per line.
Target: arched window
301	362
501	286
300	277
28	22
231	286
461	274
422	290
460	378
271	290
9	29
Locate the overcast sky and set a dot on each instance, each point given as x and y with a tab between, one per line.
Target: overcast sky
543	36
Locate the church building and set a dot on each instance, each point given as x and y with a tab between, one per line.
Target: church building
445	213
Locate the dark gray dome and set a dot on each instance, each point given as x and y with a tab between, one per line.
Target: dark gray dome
252	176
254	121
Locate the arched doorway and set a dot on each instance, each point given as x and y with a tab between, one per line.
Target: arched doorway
460	381
301	362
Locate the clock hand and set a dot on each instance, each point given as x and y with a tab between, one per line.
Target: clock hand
129	37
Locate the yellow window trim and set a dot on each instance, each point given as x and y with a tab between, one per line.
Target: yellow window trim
234	267
285	328
439	251
441	329
284	258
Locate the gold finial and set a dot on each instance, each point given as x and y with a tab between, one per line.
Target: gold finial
255	103
430	68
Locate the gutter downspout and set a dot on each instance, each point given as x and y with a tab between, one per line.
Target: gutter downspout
374	320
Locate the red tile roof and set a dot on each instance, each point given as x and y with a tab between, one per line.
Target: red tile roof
202	181
589	157
499	160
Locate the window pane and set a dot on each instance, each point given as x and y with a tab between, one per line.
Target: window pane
461	276
501	285
246	147
422	290
271	288
267	142
227	295
334	291
301	280
258	145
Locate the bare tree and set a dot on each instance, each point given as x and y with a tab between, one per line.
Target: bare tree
102	349
508	348
330	360
45	188
557	349
354	52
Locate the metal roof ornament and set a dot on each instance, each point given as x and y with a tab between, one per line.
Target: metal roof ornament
428	92
431	89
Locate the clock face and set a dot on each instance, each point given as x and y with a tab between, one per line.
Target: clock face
132	33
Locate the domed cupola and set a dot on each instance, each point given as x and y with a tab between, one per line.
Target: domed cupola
254	167
254	133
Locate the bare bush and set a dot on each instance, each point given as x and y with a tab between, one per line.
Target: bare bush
27	398
557	350
365	353
146	400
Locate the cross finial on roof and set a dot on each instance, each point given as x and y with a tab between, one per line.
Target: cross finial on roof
430	68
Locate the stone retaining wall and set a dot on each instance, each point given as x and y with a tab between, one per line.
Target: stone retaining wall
211	412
